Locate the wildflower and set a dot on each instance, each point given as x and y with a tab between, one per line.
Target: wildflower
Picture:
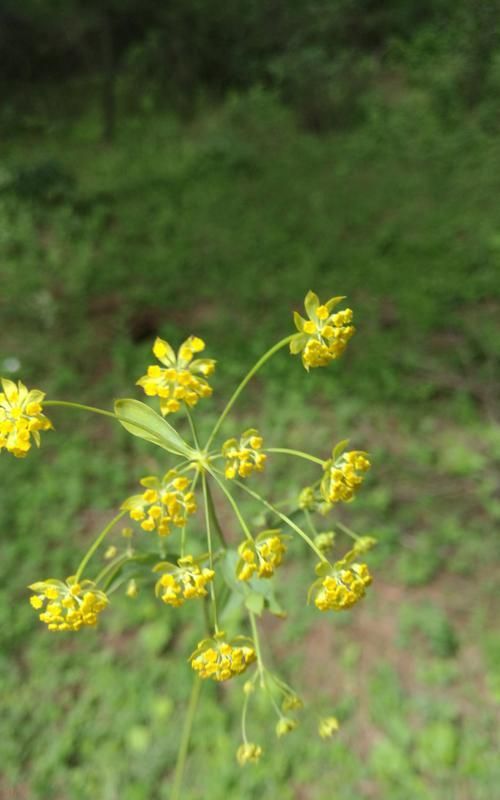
182	379
244	456
292	702
343	476
324	336
68	606
308	499
328	726
363	545
132	589
262	556
248	753
21	417
110	552
182	582
165	502
342	586
325	541
285	725
220	660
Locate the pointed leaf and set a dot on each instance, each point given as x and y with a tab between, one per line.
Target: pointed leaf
140	420
334	301
298	343
339	449
311	303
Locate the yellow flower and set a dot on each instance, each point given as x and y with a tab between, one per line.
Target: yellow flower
182	380
324	336
342	587
363	545
343	476
328	726
68	605
262	556
285	725
182	582
248	753
221	660
132	589
165	502
21	417
244	456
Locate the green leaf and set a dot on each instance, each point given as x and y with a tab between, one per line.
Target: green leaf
334	301
339	449
311	303
140	420
298	343
255	603
299	321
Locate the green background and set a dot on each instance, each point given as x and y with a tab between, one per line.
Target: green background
369	169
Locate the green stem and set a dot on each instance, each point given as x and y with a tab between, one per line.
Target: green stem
285	519
116	562
184	744
234	506
90	552
348	531
209	543
244	382
258	652
192	426
102	412
213	514
80	406
297	453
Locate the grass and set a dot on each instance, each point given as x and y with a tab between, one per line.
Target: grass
219	228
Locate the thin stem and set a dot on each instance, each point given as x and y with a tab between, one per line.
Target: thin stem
184	531
209	543
258	652
285	519
297	453
192	426
213	514
348	531
234	506
244	382
310	522
244	718
116	562
90	552
80	406
184	743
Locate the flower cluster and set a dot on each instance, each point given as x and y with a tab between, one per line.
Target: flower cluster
248	753
342	587
69	605
182	582
165	502
220	660
181	379
21	417
343	476
324	336
244	456
262	556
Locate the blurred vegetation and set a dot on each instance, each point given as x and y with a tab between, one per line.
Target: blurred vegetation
254	153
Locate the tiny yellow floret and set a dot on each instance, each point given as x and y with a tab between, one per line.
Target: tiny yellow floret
343	587
327	727
164	503
183	582
248	753
262	556
182	380
70	605
21	417
244	456
220	660
324	336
